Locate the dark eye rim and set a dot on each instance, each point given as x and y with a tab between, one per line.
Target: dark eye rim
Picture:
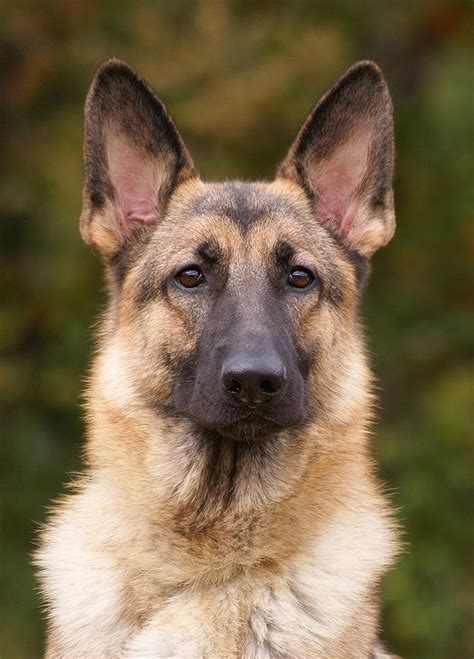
198	284
307	271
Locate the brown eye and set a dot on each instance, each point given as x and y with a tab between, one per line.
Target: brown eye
300	278
190	277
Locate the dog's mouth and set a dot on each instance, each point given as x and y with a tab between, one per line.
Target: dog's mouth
252	427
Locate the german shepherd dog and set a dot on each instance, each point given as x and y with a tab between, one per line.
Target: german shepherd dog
229	506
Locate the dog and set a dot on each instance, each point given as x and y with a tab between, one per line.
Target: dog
229	506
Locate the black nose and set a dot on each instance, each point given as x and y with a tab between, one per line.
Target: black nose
254	381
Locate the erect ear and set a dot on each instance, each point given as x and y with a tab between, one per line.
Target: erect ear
343	158
134	158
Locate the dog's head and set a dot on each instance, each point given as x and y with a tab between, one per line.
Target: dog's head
235	304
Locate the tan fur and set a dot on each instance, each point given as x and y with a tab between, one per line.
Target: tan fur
147	559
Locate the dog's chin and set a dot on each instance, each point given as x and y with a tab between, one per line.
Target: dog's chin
250	429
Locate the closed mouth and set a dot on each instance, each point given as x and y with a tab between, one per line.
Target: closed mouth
252	427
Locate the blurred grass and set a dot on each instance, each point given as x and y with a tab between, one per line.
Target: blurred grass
239	77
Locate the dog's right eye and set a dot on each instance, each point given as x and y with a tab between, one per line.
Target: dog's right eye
190	277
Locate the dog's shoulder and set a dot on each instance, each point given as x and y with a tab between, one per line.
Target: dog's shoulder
81	578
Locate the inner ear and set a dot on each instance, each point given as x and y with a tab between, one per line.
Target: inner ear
135	179
339	179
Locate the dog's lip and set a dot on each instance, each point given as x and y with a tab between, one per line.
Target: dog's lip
252	426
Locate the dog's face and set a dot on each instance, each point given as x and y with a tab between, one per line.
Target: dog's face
236	303
233	298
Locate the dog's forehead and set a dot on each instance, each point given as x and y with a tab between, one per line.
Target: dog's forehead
246	203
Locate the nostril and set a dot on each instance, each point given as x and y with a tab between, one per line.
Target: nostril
267	387
234	386
253	381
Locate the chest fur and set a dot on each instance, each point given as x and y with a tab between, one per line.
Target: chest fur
129	588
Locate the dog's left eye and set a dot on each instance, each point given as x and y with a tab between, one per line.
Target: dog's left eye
300	278
190	277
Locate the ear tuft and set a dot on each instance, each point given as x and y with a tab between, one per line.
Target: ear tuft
343	158
134	157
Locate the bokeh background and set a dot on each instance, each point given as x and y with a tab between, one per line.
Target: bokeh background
239	77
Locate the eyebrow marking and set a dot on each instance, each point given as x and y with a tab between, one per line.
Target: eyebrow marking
210	252
283	254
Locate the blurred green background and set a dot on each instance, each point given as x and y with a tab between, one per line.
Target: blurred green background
239	78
